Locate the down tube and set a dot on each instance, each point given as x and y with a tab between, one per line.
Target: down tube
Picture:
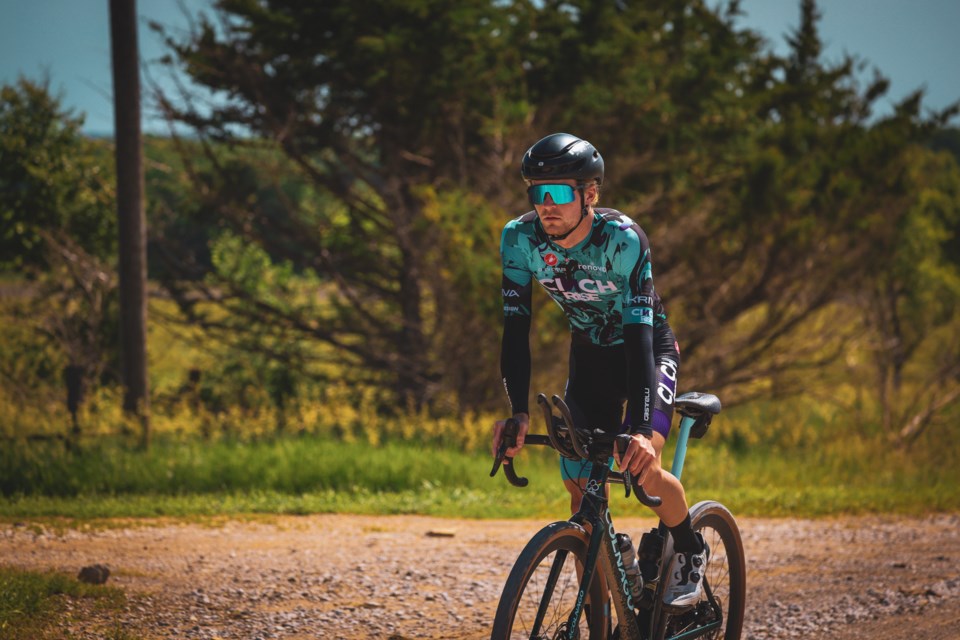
686	424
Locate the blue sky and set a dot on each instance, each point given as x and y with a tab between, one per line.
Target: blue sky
912	42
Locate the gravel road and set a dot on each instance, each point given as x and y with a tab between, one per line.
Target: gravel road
403	577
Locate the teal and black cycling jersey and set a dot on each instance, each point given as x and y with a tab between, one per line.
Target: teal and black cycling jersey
604	286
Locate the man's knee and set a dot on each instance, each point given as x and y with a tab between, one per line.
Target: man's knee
575	494
656	478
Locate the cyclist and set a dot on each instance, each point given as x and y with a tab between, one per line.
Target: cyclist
595	263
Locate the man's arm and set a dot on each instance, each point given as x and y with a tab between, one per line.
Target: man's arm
515	362
516	290
515	346
638	330
641	373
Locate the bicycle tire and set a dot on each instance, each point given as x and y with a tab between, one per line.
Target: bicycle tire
726	569
525	586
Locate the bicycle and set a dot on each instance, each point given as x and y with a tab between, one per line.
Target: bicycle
534	602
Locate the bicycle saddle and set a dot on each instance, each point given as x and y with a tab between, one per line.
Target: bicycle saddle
695	403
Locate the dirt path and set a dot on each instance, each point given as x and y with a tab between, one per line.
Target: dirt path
388	577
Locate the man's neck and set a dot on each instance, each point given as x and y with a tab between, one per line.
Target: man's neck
581	232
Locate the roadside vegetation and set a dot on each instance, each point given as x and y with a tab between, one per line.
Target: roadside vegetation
322	476
763	459
31	601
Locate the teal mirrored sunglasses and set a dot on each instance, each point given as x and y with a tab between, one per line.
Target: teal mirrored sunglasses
559	193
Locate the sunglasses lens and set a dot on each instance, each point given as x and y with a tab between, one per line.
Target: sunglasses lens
559	193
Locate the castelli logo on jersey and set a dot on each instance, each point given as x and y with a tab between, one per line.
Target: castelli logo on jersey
550	259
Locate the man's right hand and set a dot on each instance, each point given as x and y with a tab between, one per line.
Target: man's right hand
498	426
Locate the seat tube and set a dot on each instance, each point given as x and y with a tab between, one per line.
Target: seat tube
680	454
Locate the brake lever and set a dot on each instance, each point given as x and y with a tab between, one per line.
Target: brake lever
508	439
622	442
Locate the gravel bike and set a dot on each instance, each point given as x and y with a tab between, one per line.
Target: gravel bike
563	582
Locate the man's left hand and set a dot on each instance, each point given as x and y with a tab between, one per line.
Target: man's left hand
639	457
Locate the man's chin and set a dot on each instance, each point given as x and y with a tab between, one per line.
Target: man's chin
553	227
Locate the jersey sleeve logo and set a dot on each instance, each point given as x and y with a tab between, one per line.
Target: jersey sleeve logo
642	315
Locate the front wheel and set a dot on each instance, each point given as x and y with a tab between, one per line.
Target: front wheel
725	580
541	590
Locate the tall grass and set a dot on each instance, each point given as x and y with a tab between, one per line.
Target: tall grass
276	475
285	465
311	474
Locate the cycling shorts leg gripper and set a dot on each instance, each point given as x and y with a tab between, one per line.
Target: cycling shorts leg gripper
577	469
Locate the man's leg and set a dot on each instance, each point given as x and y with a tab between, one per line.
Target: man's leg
684	582
660	482
575	475
575	489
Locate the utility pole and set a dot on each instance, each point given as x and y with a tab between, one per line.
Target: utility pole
133	227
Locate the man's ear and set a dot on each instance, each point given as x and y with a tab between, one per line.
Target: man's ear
592	195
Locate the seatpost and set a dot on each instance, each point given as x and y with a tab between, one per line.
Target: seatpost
680	454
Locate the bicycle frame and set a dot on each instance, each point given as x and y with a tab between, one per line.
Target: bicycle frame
594	510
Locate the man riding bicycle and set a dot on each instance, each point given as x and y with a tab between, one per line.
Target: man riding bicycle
595	263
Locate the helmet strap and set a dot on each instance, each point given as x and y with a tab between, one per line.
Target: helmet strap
583	215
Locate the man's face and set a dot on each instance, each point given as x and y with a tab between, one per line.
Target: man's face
560	218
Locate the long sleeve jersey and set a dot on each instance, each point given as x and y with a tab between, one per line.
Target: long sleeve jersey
604	286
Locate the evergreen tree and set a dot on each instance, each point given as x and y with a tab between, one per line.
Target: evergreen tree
764	186
52	179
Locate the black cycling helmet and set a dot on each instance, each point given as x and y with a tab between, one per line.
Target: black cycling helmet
563	156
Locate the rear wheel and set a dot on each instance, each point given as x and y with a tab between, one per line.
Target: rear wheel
541	591
725	584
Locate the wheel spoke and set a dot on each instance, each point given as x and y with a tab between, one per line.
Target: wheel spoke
555	569
543	587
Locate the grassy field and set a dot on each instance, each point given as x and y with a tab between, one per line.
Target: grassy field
297	475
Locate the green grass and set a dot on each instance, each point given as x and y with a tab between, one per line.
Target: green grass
292	465
193	478
30	601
